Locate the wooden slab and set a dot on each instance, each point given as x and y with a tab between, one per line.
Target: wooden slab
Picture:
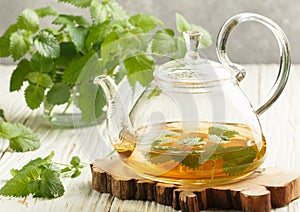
264	189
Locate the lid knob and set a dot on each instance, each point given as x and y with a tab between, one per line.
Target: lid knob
192	40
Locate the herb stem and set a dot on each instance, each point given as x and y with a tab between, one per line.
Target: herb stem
213	171
68	105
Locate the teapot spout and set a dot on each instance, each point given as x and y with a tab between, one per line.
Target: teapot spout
119	127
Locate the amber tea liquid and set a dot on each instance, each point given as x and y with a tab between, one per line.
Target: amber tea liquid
193	153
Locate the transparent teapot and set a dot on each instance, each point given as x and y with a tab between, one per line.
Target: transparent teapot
193	124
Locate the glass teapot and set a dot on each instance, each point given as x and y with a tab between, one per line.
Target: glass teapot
193	124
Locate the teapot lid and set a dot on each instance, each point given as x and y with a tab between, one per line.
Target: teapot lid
192	71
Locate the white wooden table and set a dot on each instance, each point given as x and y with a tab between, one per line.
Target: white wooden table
281	126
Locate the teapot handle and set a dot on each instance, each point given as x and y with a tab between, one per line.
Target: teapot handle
284	47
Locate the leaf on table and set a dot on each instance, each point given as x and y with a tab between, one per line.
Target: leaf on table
37	177
18	46
46	11
58	94
146	22
48	185
19	75
78	3
28	20
78	36
47	45
34	96
27	141
21	138
18	185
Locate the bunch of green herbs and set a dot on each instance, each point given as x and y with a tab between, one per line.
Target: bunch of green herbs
74	49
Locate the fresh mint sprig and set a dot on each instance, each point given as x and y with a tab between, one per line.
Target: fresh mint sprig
41	177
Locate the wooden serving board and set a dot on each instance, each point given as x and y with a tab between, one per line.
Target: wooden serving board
264	189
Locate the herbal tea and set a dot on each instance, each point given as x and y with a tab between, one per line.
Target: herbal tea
195	153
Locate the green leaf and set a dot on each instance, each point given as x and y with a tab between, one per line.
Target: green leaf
28	20
34	96
76	173
58	94
191	141
191	161
41	64
155	92
237	159
65	20
19	46
19	75
75	161
98	12
97	34
164	44
114	10
18	185
77	3
73	71
40	79
46	11
2	116
47	45
139	68
91	101
49	185
4	46
78	36
221	131
183	25
38	177
26	140
68	52
146	22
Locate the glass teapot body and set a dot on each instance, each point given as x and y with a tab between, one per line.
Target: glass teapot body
195	134
193	124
